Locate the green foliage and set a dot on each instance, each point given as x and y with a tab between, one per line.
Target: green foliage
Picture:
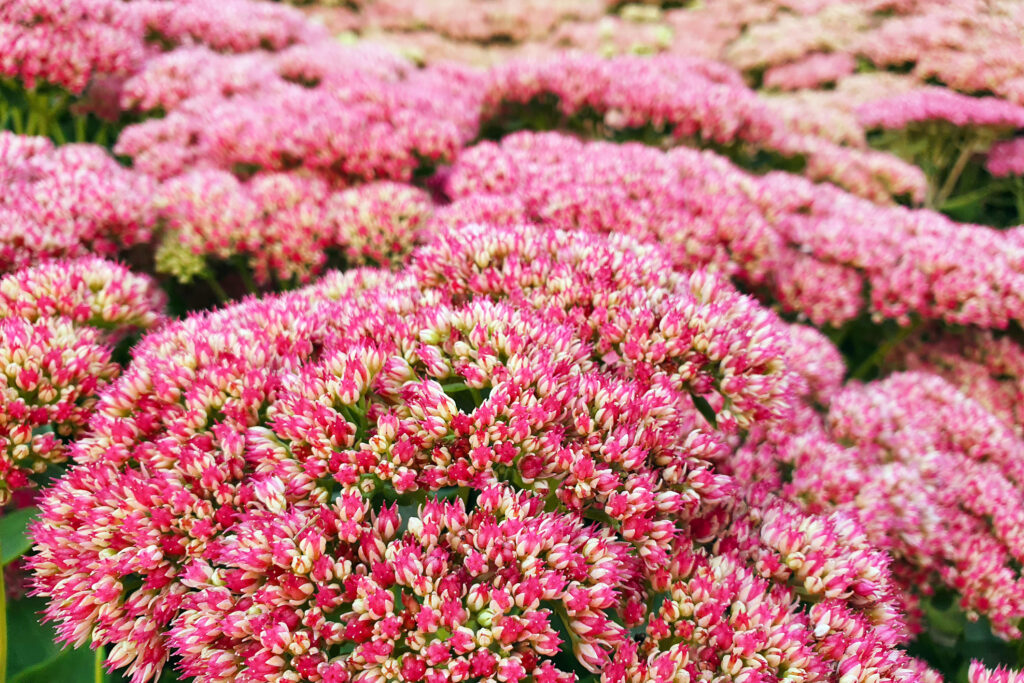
49	111
33	657
952	158
950	640
14	540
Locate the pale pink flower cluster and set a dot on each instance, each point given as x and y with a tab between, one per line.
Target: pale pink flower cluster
225	25
987	367
618	35
941	104
232	503
823	114
378	223
353	113
274	224
501	20
66	42
281	227
57	323
971	46
822	252
1006	158
71	200
789	38
689	99
934	478
812	71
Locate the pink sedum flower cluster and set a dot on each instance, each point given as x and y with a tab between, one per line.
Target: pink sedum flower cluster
933	477
225	25
812	71
58	321
822	252
978	673
273	224
351	113
643	320
282	227
1006	158
73	43
691	99
984	366
66	42
67	201
89	292
448	477
940	104
379	223
574	412
52	373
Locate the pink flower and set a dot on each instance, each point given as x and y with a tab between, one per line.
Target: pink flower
89	292
52	374
69	201
978	673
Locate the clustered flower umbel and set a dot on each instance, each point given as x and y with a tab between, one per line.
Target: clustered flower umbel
67	42
283	226
813	71
352	113
692	99
971	46
72	200
983	365
823	253
273	223
58	322
72	43
941	104
515	20
933	476
375	478
1006	158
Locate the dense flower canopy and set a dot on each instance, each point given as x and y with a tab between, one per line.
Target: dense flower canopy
513	342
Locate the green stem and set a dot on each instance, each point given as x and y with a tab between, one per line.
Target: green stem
79	129
1018	196
876	358
58	133
97	672
217	290
954	173
3	628
30	122
250	284
971	197
17	122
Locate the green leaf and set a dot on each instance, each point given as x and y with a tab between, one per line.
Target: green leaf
33	656
69	666
705	409
14	541
31	643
